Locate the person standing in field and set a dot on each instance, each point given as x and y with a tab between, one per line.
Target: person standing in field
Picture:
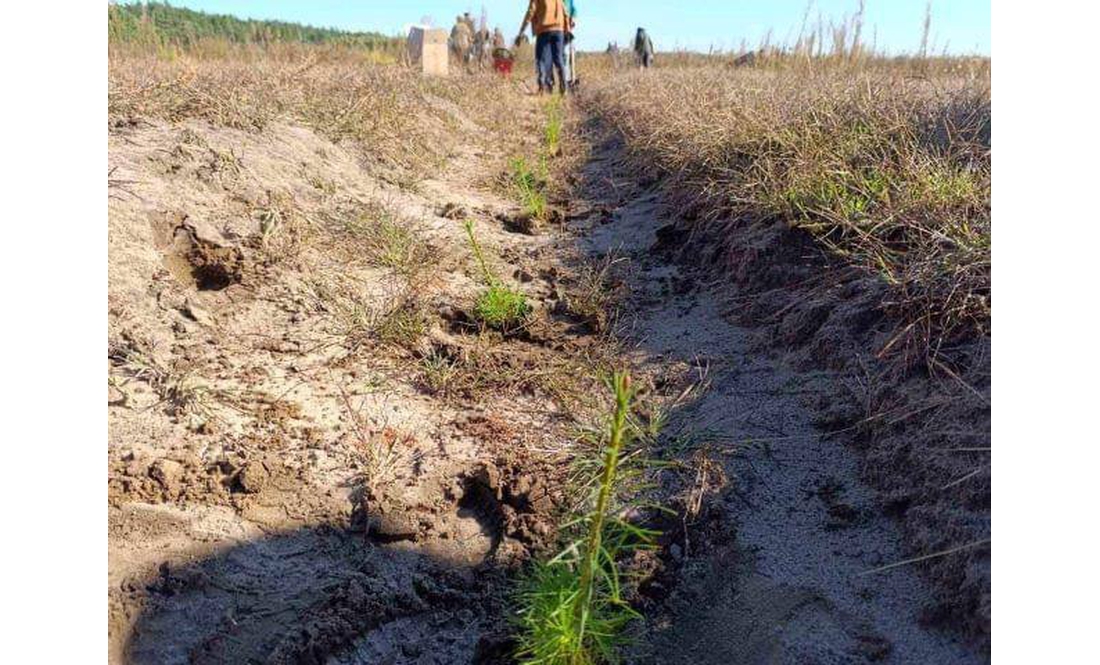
549	20
571	9
461	38
498	38
643	49
481	47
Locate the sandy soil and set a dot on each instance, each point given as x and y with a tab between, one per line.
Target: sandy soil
279	492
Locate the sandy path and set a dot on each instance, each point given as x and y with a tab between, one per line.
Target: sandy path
780	577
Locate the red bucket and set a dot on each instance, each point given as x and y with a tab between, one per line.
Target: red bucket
503	61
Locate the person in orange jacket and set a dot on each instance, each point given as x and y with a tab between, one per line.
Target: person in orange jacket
549	20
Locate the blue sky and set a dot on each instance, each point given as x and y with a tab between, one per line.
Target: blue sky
963	26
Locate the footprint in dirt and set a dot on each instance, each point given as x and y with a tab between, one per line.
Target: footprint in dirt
758	621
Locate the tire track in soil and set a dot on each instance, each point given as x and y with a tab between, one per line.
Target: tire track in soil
774	574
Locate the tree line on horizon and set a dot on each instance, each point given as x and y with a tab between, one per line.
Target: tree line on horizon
160	24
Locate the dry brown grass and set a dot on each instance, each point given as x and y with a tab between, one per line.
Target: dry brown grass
405	123
888	170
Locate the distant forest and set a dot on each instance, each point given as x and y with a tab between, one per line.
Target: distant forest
161	24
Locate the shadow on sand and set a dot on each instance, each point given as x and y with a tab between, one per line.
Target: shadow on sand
319	595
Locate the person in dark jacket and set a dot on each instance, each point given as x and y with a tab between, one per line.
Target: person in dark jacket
643	49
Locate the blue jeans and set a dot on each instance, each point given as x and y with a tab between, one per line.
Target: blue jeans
550	55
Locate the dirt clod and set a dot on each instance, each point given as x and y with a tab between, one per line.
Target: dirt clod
253	477
168	473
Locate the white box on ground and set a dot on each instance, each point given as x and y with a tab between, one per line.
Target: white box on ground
428	50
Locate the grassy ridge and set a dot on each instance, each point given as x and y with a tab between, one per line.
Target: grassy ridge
888	171
157	24
850	198
404	121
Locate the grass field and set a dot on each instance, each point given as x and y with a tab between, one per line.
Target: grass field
885	163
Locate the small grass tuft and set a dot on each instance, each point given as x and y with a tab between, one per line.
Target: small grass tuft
498	306
501	307
388	241
528	186
362	319
403	325
439	372
594	293
554	124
